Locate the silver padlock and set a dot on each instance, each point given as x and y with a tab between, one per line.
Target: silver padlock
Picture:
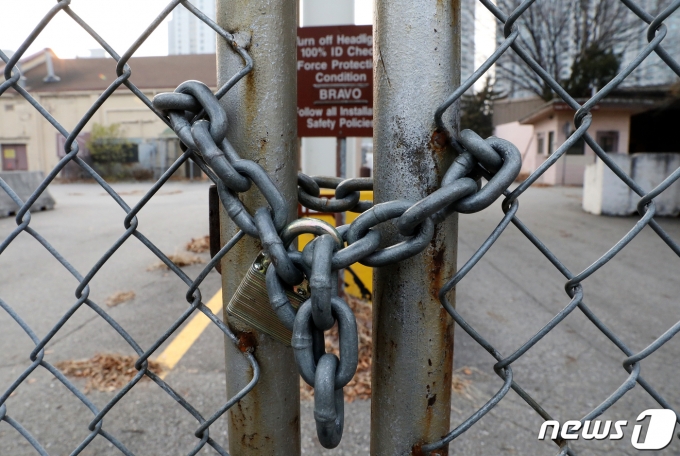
250	302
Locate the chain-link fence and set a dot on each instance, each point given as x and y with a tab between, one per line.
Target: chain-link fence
199	120
23	217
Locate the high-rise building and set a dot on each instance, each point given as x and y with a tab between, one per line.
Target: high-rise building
559	35
189	35
653	71
467	39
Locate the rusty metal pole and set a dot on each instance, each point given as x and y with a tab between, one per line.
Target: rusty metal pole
417	65
262	117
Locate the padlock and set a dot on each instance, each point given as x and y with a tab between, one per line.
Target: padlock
250	303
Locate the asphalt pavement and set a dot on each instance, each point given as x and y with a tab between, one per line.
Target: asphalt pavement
507	297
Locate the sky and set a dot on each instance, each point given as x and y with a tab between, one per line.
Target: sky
120	22
111	19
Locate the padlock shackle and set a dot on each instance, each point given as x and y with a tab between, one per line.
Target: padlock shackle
311	226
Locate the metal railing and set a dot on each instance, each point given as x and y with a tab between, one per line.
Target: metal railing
209	144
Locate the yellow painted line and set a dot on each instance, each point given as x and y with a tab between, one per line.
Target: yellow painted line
187	336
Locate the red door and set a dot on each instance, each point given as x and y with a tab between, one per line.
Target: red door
14	157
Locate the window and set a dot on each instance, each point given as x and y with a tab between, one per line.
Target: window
540	143
14	157
608	140
578	148
551	142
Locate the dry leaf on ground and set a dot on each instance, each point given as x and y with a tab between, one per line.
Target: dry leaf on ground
106	371
170	192
119	298
126	193
180	259
199	245
462	383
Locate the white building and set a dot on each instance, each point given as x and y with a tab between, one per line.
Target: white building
630	121
189	35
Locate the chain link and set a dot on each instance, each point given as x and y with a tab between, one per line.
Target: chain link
496	158
198	119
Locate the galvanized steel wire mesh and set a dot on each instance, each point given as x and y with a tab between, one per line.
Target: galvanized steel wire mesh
23	218
574	287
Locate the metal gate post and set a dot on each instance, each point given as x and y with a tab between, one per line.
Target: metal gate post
417	65
262	117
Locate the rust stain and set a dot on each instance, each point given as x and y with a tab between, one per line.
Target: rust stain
436	397
437	266
247	342
248	440
249	92
439	140
238	418
429	412
417	450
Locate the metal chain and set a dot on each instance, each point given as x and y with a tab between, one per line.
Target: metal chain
496	159
192	112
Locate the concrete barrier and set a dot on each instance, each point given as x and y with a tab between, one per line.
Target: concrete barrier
24	184
649	170
605	194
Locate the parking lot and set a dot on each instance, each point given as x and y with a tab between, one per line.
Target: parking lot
507	297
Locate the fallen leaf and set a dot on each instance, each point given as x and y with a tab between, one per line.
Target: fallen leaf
119	298
199	245
180	259
106	371
360	385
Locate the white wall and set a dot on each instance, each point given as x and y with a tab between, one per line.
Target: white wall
522	136
326	12
604	193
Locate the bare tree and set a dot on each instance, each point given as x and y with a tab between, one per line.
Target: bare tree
559	33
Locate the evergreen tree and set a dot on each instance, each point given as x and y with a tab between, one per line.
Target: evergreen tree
477	110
